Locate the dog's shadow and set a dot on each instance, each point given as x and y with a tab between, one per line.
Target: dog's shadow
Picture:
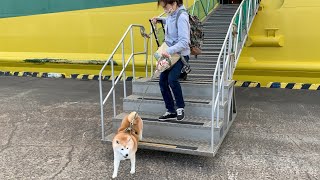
151	163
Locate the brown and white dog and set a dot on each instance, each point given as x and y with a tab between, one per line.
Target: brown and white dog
125	142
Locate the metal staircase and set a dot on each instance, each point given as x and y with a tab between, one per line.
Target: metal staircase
208	91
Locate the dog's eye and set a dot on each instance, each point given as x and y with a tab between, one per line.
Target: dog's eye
122	149
127	148
117	142
136	133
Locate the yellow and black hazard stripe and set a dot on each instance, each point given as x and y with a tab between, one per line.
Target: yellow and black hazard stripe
279	85
247	84
96	77
60	75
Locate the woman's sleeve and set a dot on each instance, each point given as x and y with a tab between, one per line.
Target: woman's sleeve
183	35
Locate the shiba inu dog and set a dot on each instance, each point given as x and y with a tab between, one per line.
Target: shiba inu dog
125	142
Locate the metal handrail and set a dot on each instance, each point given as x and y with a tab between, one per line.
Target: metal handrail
206	10
230	48
122	73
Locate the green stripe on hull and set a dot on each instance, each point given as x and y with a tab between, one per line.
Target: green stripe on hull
13	8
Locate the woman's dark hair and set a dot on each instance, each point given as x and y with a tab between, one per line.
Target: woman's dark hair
179	2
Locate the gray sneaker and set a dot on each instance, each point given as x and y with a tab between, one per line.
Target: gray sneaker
180	114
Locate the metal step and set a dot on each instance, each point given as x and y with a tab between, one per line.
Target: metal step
197	79
200	77
221	35
203	64
214	26
210	58
211	47
202	59
208	61
203	70
210	52
155	105
223	13
217	23
208	42
190	129
189	90
215	34
174	145
194	80
211	40
228	8
225	10
219	30
219	18
205	56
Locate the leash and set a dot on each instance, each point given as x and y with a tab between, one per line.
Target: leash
145	35
155	73
130	128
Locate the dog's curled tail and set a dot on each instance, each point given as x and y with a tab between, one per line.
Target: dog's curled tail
132	116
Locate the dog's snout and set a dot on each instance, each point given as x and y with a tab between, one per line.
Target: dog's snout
127	155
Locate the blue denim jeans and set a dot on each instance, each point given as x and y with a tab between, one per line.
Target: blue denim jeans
171	78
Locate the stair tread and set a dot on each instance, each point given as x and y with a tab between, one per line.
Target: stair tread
194	121
192	80
174	145
189	100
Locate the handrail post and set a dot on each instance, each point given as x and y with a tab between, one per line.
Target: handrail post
124	74
132	51
151	51
146	52
113	92
238	35
230	50
101	108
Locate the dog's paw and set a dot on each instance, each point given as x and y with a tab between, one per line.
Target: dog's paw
132	172
114	176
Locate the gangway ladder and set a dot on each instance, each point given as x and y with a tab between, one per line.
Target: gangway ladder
208	92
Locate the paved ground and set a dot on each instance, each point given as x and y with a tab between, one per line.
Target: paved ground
49	129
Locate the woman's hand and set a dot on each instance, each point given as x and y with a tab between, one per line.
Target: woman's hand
154	20
165	54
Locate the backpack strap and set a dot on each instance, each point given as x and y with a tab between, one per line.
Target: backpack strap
178	15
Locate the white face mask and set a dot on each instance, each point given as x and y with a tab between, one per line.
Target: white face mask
169	11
